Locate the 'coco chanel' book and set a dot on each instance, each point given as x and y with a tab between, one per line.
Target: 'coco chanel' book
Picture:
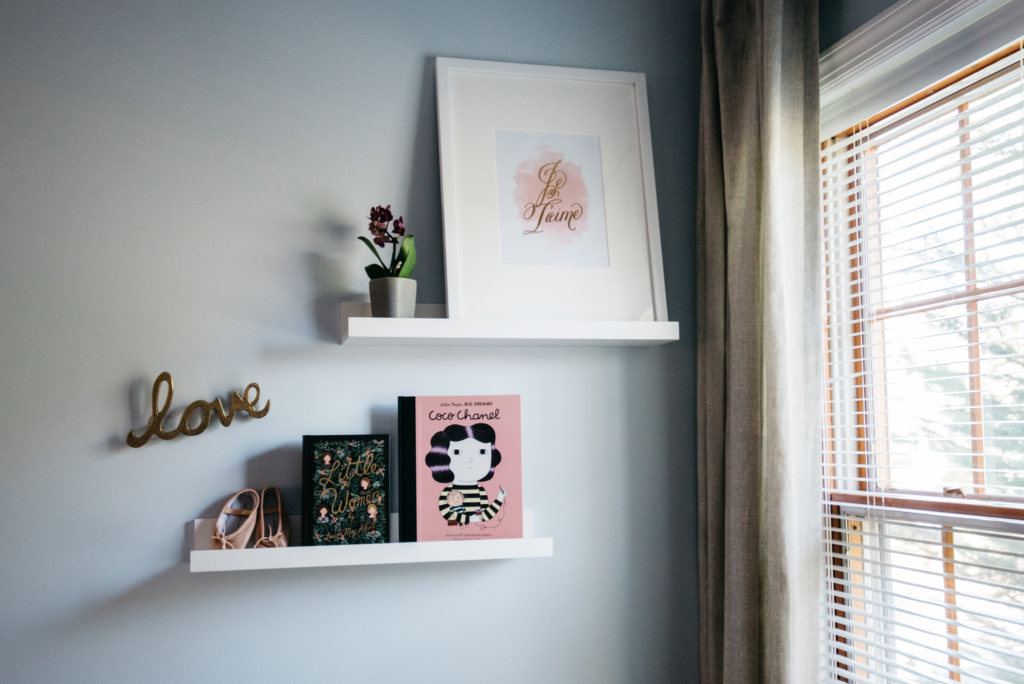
345	493
460	468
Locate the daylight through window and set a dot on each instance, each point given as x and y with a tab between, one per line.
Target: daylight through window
923	465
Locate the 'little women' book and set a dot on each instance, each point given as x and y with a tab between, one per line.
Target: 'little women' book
345	489
460	468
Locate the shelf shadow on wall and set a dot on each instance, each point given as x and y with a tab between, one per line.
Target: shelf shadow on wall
423	204
338	261
173	598
331	272
137	393
333	267
384	419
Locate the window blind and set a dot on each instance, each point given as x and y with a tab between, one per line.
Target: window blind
923	446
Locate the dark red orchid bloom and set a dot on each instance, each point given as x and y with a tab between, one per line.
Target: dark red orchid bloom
380	218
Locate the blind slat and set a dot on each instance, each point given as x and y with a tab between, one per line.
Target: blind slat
894	649
913	131
909	117
886	612
855	677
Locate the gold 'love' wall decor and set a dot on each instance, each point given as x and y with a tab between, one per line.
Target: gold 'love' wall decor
239	402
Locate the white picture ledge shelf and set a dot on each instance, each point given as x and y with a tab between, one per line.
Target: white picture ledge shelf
468	333
204	559
431	328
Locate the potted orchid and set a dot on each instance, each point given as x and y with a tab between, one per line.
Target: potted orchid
392	291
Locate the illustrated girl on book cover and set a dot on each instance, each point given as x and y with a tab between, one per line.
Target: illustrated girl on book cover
462	468
462	457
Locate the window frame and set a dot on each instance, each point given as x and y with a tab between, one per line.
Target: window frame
863	334
859	286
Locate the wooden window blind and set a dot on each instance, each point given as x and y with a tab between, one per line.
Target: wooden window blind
923	446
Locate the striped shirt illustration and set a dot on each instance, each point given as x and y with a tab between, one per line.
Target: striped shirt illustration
474	499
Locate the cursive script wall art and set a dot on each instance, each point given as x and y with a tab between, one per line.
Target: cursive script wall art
551	199
239	402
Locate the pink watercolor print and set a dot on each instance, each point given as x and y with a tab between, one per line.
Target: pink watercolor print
552	198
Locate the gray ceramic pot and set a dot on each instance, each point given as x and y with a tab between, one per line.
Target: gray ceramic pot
393	298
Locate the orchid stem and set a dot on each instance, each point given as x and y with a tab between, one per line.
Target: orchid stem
382	264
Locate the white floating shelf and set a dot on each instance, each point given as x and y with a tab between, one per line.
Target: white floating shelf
357	331
204	559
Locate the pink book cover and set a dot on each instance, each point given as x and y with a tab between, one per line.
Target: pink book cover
469	468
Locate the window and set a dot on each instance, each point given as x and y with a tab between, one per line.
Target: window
923	458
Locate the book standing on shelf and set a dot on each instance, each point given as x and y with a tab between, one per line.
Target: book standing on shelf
460	468
345	494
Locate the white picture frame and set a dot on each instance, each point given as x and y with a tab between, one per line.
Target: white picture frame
477	98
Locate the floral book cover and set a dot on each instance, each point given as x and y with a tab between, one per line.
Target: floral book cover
345	493
460	468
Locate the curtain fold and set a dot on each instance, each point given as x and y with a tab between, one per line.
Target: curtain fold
759	343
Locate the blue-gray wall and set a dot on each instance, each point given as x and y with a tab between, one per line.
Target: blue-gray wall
180	183
839	18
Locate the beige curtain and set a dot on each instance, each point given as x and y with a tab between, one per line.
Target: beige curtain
759	350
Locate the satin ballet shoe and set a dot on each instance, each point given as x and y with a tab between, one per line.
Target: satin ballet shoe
236	521
272	530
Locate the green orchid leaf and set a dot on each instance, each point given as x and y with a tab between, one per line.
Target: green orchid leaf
376	271
374	250
407	256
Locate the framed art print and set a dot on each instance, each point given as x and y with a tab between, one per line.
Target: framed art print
345	490
550	199
549	203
